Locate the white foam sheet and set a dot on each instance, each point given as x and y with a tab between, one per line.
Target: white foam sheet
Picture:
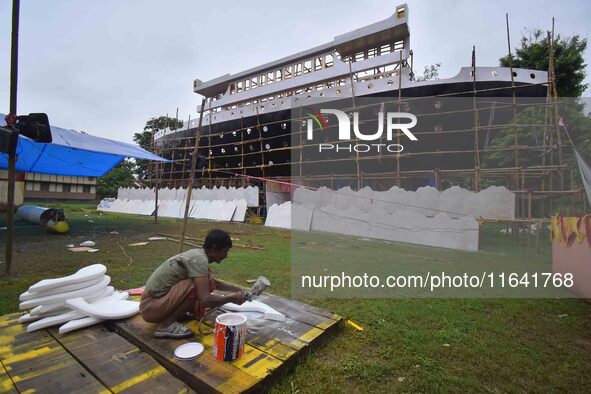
240	212
250	194
301	217
255	306
213	210
136	207
77	324
83	274
279	216
54	320
492	202
171	202
48	309
27	295
117	309
171	208
55	298
72	314
440	230
29	318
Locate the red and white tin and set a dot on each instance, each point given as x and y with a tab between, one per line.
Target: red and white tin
229	336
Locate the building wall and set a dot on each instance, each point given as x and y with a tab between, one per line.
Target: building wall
19	188
60	187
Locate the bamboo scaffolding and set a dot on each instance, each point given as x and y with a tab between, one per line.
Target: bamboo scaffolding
533	179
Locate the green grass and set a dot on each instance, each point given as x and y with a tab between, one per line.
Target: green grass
408	345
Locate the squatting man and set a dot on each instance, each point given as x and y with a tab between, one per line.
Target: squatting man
183	285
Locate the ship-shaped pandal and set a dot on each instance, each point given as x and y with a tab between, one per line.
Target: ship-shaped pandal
247	125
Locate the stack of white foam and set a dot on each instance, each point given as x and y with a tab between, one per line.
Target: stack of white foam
76	301
425	216
219	203
493	202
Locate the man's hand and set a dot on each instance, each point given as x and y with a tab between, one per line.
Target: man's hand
237	298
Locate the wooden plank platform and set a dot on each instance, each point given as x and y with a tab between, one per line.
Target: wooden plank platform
123	356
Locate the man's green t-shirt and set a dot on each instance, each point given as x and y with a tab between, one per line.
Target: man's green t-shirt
190	264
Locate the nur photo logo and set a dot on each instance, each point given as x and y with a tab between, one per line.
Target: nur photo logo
390	121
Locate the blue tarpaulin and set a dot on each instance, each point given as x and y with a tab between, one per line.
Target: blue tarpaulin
73	153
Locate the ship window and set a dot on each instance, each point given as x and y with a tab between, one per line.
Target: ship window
239	87
287	72
298	70
398	45
318	64
307	66
319	87
328	60
385	49
247	84
270	77
232	88
359	56
372	53
254	82
263	79
278	75
329	85
299	91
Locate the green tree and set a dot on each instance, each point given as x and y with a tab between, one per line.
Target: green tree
144	139
570	67
120	176
430	72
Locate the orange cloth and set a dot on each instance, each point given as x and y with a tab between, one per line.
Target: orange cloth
570	229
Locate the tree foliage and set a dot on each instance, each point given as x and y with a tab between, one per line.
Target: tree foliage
144	139
570	71
120	176
570	67
430	72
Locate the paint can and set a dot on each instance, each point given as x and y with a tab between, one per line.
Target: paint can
229	336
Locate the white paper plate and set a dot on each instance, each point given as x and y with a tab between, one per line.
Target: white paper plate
188	351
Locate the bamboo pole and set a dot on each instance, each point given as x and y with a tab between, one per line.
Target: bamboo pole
244	246
476	124
192	175
516	134
354	109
